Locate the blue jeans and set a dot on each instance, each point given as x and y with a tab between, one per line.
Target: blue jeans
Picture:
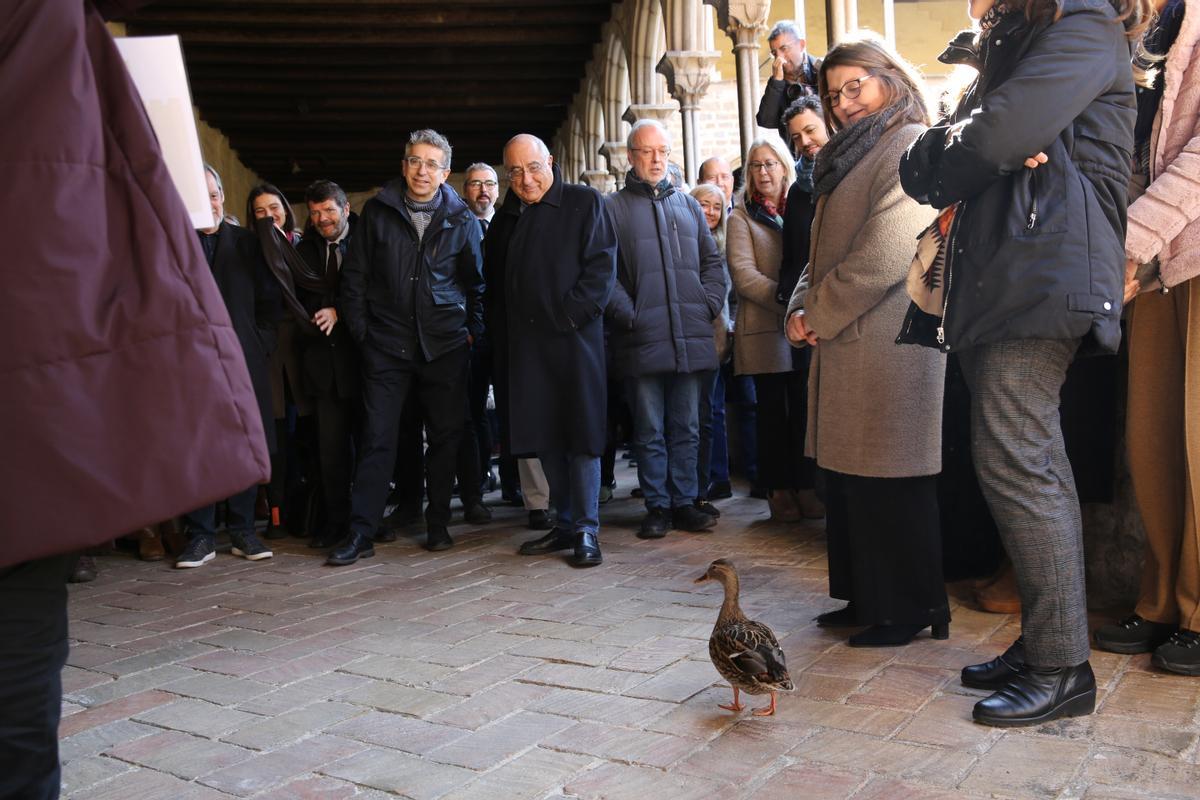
574	490
666	436
239	519
739	390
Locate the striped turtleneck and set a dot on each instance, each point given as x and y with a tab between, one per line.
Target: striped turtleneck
422	213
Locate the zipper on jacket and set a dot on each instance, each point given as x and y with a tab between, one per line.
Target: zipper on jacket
678	245
950	242
1033	205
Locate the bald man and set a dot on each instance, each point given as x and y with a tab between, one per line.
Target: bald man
553	253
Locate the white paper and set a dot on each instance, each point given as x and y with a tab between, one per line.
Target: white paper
156	65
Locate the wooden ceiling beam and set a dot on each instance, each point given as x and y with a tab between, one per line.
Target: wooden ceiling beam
353	58
537	93
484	76
448	15
314	41
353	6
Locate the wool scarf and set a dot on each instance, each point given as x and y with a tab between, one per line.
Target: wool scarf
846	148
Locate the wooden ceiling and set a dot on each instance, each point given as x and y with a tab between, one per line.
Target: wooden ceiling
308	89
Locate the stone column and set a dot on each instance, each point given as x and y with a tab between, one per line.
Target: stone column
597	179
618	161
688	75
745	21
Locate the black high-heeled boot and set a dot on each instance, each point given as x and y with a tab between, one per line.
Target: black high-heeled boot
896	635
1039	695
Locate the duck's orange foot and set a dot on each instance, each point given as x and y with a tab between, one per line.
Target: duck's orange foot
766	711
734	707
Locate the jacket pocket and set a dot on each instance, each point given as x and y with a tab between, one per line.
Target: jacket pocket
448	295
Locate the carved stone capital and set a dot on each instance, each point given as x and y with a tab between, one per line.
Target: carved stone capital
660	112
743	20
618	159
688	74
597	179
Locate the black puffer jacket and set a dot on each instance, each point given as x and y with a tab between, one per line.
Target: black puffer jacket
405	295
670	282
1033	253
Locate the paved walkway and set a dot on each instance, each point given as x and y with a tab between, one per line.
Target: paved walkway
476	673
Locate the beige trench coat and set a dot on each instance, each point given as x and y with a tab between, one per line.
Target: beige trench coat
875	407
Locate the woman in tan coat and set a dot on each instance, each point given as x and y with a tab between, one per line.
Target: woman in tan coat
1164	344
754	249
875	409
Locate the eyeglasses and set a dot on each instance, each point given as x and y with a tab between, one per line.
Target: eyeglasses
429	164
518	173
849	90
648	152
763	166
480	184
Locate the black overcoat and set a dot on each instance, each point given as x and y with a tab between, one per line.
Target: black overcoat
253	299
331	363
560	258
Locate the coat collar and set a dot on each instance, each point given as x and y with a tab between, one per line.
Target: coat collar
452	206
552	197
657	191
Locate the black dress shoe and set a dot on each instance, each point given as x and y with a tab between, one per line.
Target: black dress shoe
587	550
539	520
438	538
690	518
846	617
351	549
719	490
655	524
1040	695
552	542
706	507
1133	635
384	534
896	635
996	674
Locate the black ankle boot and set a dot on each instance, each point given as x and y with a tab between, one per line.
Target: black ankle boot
1039	695
995	674
896	635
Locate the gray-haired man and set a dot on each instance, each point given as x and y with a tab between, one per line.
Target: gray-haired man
793	73
411	295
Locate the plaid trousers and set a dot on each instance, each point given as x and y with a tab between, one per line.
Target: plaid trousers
1019	455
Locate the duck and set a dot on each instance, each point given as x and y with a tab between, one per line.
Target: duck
745	652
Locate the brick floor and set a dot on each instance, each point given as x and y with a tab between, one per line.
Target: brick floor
477	673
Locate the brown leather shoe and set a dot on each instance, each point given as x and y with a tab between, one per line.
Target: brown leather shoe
150	546
1001	596
782	504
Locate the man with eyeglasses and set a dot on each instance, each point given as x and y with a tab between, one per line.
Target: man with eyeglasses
793	73
480	190
474	463
411	293
551	253
670	287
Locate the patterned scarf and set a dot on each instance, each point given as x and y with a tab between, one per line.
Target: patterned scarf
846	148
773	208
